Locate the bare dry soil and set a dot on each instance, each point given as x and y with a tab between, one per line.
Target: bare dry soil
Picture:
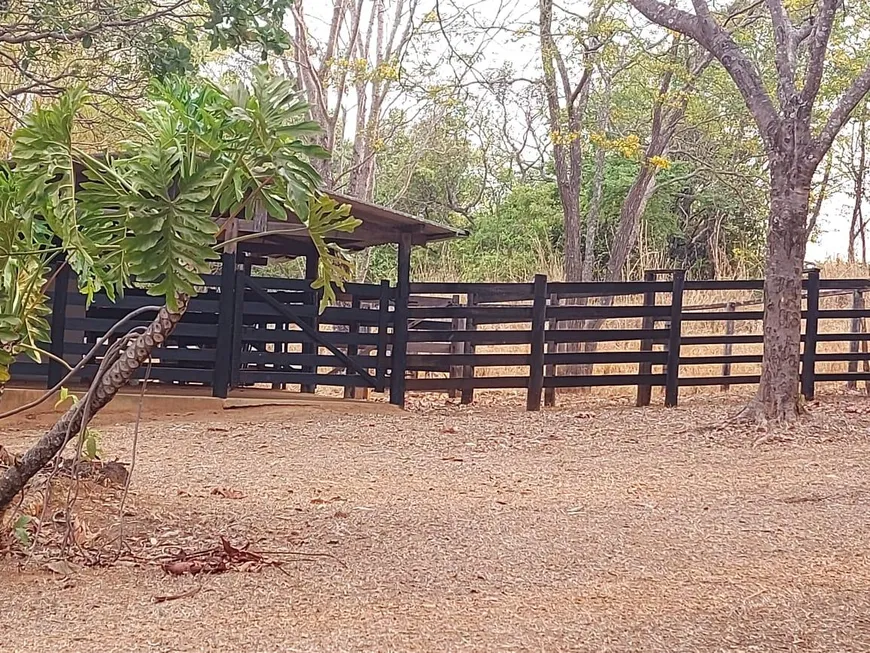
591	527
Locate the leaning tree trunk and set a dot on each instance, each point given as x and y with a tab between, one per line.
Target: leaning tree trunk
778	392
69	425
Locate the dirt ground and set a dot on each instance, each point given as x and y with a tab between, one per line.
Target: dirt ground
592	527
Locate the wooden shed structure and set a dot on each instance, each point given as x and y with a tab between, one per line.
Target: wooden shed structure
246	329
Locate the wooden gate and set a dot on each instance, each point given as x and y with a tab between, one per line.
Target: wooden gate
279	337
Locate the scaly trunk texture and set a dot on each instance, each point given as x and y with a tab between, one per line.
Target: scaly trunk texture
116	377
778	392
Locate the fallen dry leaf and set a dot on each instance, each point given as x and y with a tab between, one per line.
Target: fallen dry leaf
82	535
182	567
60	567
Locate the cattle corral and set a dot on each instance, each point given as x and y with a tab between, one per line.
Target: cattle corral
593	526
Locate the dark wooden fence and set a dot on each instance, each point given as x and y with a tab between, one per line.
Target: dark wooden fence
238	331
554	323
461	337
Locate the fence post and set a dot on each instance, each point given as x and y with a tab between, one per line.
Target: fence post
383	337
353	392
455	372
538	334
238	325
808	372
400	324
467	395
644	392
730	307
56	371
312	268
223	347
551	370
854	345
672	378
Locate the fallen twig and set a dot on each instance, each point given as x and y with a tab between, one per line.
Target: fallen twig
173	597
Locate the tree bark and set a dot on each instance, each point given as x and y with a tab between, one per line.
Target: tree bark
70	424
778	393
593	216
565	132
630	214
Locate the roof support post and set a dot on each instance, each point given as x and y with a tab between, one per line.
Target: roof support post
400	321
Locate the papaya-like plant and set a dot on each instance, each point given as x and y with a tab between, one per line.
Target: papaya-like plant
146	214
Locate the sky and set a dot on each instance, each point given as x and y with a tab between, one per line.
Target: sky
833	240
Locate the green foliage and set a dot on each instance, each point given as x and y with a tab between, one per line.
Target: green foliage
46	169
237	23
199	150
325	215
524	233
429	168
25	250
147	212
118	44
20	530
516	238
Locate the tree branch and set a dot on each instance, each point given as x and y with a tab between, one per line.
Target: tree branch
820	35
11	38
784	57
716	40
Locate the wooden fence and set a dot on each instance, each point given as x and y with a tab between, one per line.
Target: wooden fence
559	325
462	337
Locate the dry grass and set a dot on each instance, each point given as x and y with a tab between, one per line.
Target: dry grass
595	527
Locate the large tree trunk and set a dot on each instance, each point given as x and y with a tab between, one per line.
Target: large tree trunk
778	392
69	425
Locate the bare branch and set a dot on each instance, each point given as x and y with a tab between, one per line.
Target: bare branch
784	38
821	35
716	40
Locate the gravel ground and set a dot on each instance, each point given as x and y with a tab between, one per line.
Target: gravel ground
593	527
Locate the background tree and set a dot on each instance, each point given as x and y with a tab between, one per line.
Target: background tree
348	73
114	47
567	97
